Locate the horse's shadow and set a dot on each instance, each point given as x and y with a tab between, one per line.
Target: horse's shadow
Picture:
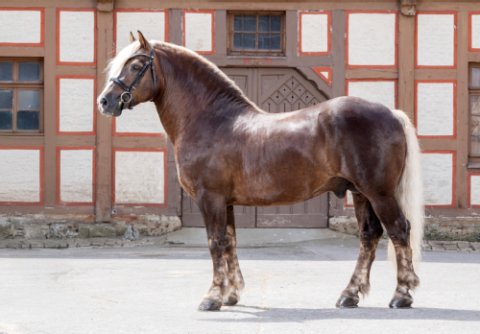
272	314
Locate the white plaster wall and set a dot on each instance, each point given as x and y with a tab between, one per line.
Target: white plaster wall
151	24
141	119
77	36
437	171
76	176
475	31
20	175
314	35
376	91
475	190
349	198
435	46
371	39
435	109
76	106
139	177
20	26
198	31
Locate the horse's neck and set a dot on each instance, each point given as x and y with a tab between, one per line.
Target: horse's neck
195	94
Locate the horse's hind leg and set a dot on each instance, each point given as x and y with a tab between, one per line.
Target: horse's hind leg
235	278
398	229
214	213
370	231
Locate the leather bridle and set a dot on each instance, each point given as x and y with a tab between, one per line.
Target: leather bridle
126	97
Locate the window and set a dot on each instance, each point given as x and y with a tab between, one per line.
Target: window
474	90
256	33
21	87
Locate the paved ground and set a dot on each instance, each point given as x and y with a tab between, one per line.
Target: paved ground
292	286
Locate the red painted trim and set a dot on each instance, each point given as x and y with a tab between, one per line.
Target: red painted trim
41	169
455	26
42	25
204	11
75	63
94	105
318	71
348	13
59	176
454	177
329	33
165	181
415	109
137	10
395	84
470	32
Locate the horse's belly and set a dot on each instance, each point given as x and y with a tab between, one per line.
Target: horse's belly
270	189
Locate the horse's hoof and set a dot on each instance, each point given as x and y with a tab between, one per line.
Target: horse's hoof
209	305
347	301
231	299
403	302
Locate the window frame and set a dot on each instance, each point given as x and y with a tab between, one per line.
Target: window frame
15	86
474	160
231	51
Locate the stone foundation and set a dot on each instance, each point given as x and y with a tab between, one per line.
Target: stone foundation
441	233
34	231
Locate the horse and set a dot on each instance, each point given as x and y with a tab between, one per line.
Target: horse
230	152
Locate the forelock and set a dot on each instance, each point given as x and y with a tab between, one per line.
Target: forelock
116	64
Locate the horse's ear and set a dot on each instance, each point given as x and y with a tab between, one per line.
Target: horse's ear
131	37
143	41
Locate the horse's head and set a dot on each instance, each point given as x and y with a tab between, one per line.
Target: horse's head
131	78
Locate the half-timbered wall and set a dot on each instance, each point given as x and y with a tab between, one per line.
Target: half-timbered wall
86	164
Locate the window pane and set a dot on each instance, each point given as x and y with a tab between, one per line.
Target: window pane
269	41
475	77
28	120
263	23
275	43
237	23
237	40
275	23
264	41
6	71
248	41
5	120
28	100
249	23
475	125
6	99
29	72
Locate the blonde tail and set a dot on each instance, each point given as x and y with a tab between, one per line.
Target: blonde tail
410	189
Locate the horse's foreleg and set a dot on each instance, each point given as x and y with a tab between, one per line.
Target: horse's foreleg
213	210
398	229
370	231
235	278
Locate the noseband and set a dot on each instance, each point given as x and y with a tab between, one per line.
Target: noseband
127	97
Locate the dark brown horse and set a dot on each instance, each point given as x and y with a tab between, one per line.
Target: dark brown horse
229	152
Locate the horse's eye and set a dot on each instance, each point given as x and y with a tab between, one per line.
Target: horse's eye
136	67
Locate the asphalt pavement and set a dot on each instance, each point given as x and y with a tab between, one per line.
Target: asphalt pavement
293	279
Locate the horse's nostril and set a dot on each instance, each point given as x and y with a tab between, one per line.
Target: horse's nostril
103	102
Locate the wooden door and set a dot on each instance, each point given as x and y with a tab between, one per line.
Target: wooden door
274	90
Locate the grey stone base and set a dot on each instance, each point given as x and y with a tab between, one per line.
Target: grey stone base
39	231
441	233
